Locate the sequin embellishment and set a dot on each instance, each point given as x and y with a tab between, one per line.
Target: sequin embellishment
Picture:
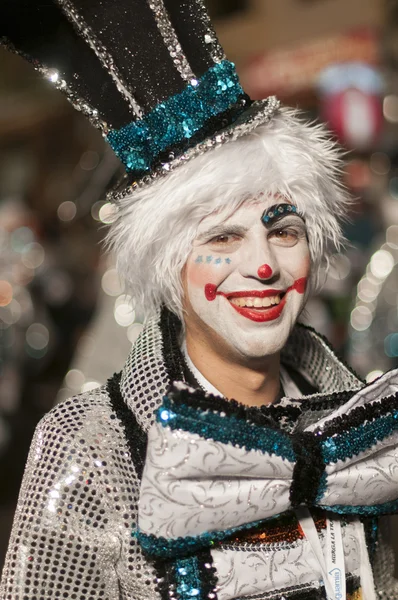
278	211
230	430
178	118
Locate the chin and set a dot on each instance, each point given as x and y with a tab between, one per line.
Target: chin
257	340
254	349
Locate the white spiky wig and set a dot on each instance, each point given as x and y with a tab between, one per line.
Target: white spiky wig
153	233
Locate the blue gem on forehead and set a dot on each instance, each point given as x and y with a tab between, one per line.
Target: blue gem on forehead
278	211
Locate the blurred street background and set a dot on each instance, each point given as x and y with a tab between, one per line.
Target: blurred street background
65	323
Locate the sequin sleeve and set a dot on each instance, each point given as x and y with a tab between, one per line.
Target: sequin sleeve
65	541
385	559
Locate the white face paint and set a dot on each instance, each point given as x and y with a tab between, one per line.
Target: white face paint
245	280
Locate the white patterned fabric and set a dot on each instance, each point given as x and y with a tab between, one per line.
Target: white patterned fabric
192	484
243	572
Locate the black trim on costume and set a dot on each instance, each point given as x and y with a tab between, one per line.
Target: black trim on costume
136	437
165	580
307	471
361	414
207	574
173	360
314	594
328	401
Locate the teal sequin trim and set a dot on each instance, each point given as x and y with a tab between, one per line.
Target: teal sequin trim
358	439
226	429
178	118
376	510
187	577
182	546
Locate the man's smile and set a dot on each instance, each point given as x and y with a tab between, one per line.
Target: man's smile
256	298
261	305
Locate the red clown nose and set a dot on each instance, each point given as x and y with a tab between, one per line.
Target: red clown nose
264	272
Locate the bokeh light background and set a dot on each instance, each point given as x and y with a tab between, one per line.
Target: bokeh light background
66	323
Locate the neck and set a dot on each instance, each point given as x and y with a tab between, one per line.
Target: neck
253	382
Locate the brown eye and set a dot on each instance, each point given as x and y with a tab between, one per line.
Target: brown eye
284	237
223	239
224	242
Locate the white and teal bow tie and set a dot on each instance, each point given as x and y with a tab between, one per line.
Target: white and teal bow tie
215	468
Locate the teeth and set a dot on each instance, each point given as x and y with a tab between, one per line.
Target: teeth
255	302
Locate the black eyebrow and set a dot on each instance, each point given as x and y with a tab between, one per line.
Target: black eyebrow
273	214
222	229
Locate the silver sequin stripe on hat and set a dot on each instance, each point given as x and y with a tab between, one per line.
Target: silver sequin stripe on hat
216	51
264	113
54	77
170	39
102	53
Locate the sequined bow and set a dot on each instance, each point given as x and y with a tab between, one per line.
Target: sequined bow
214	468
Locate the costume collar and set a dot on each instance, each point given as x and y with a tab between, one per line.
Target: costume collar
155	362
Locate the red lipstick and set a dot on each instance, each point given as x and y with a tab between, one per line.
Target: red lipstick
261	315
255	314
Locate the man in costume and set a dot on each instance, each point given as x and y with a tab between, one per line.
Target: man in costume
234	457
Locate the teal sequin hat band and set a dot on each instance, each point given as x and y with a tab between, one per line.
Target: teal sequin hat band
258	113
212	101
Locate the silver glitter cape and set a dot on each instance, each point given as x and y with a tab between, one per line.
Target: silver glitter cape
72	533
150	74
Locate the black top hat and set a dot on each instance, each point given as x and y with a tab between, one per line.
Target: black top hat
150	74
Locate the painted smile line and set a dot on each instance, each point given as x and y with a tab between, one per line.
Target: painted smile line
264	305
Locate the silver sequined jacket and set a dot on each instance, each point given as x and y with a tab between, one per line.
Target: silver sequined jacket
72	533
